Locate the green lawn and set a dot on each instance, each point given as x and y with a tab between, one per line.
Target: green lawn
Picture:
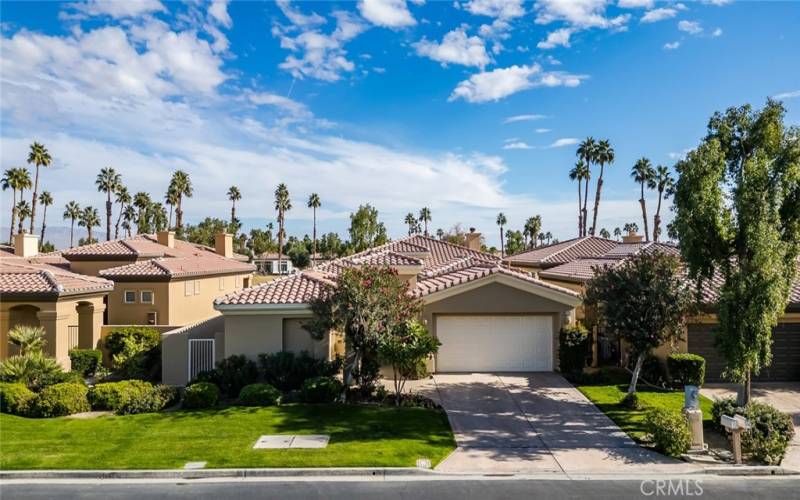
361	436
608	397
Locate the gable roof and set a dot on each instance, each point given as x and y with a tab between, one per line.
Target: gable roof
140	246
563	252
28	277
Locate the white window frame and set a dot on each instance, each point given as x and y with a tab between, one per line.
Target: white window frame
188	288
197	287
189	356
222	282
152	297
125	296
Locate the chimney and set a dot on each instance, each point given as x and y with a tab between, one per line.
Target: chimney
473	240
223	244
26	245
166	238
632	237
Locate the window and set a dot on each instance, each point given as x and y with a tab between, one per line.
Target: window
284	267
197	287
152	318
222	283
188	288
130	297
146	297
245	282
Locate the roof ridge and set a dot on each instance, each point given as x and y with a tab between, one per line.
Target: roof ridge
161	266
571	245
48	275
447	243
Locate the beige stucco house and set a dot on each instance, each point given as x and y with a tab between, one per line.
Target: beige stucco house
38	290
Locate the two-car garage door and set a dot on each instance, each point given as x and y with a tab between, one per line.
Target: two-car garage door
494	343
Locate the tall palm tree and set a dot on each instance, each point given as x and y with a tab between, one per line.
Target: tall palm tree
580	172
171	199
502	221
142	202
72	211
282	204
604	156
532	228
15	179
183	187
46	199
604	233
411	222
40	157
158	215
128	217
643	173
440	233
234	195
107	181
617	233
548	236
314	203
587	152
124	199
425	217
542	237
663	183
89	219
23	212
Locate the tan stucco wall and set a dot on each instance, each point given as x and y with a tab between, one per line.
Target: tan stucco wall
253	334
175	348
297	339
93	267
120	313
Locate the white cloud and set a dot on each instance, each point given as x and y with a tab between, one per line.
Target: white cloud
691	27
672	45
119	9
655	15
635	4
559	37
504	9
578	13
387	13
219	11
379	70
523	118
718	3
297	18
502	82
716	33
542	130
565	141
787	95
517	145
456	48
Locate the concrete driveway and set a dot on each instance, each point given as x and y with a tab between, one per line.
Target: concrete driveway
533	423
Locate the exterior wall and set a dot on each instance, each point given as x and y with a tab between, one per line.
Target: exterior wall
297	339
120	313
184	309
93	267
175	348
253	334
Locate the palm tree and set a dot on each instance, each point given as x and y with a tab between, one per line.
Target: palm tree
40	157
604	155
663	183
27	338
23	212
587	152
440	233
72	211
124	199
604	233
643	173
425	217
46	199
183	187
411	222
541	238
234	195
548	236
282	204
580	172
128	216
617	233
314	203
158	215
502	221
631	227
171	199
108	180
142	202
89	219
15	179
531	229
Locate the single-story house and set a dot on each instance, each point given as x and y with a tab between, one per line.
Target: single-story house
269	263
487	316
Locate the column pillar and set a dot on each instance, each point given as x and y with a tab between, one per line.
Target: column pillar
56	335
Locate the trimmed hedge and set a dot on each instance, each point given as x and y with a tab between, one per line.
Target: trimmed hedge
259	395
131	396
135	352
770	433
686	369
201	395
670	431
321	390
287	371
231	374
573	341
15	398
85	361
61	399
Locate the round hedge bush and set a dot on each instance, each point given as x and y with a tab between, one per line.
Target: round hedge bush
15	398
670	431
771	431
201	395
61	399
321	390
130	397
686	369
259	395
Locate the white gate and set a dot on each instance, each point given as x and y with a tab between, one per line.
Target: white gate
201	356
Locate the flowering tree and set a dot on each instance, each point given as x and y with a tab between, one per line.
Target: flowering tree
404	348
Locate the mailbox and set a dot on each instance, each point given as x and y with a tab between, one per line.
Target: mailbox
691	397
735	425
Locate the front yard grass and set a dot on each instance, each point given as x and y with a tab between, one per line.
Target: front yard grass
608	398
361	436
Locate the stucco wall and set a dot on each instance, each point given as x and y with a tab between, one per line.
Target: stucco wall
297	339
253	334
120	313
185	309
93	267
175	348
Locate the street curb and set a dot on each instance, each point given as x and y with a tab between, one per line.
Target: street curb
216	473
750	471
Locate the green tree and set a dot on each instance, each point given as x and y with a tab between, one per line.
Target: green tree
411	222
604	155
204	232
23	212
617	233
440	233
123	197
604	233
404	348
314	203
548	236
142	202
533	226
581	173
425	217
737	215
298	254
282	205
631	227
261	240
663	184
234	195
365	229
89	219
502	221
181	184
46	199
515	242
108	181
128	218
27	339
18	179
587	152
171	199
158	216
644	301
644	174
40	157
72	211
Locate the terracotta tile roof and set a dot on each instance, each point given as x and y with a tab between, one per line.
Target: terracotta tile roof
580	270
294	289
178	267
52	258
20	276
139	246
563	252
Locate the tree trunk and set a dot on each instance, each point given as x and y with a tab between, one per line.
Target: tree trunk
280	242
33	200
351	361
72	234
644	214
89	232
636	370
169	223
13	219
597	200
580	217
314	250
657	218
585	212
119	219
109	209
743	397
179	217
502	244
44	225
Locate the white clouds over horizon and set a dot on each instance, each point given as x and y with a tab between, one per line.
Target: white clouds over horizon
502	82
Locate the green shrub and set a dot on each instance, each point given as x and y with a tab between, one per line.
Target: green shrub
201	395
231	374
287	371
259	395
61	399
135	352
573	342
167	395
15	398
321	390
85	361
652	371
631	402
606	375
769	435
130	396
722	407
686	369
670	431
34	369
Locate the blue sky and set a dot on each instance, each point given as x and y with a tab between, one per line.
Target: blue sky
470	107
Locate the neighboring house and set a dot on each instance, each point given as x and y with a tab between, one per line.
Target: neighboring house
487	317
267	263
36	290
571	264
160	280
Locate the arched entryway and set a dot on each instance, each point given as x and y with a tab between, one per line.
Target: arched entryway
24	314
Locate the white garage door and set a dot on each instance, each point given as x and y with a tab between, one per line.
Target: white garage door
494	343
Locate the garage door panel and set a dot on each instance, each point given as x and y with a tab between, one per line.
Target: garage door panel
495	343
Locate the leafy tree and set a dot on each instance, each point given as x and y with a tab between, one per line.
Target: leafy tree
617	233
644	174
548	236
16	179
604	233
631	227
40	157
299	255
425	217
23	212
604	155
282	205
27	338
502	221
365	304
737	215
331	245
581	173
533	226
89	219
261	240
123	197
72	211
128	217
365	229
47	247
158	216
404	348
314	203
644	301
142	203
664	184
205	232
181	184
515	242
46	199
108	181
